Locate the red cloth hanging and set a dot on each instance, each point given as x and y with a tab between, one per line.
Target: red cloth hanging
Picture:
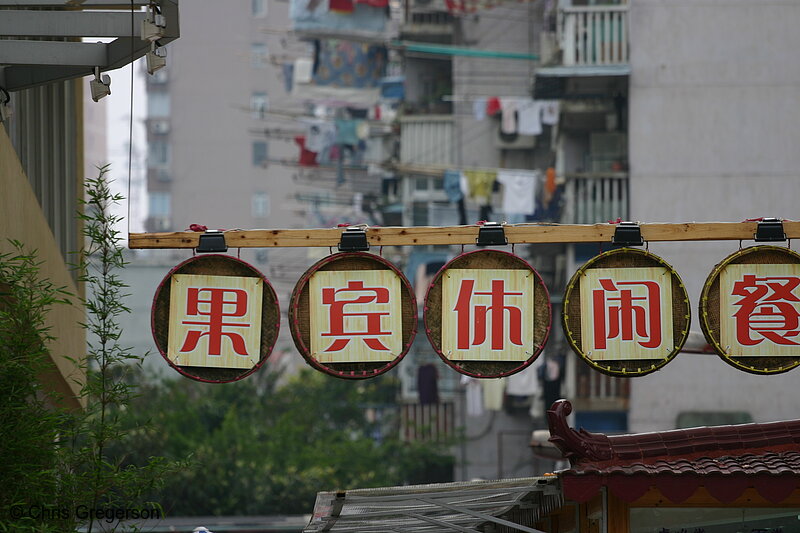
373	3
341	6
492	106
307	157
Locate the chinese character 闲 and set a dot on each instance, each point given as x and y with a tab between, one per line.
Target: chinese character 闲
628	310
626	313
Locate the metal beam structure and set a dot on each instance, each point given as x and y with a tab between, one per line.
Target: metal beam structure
465	507
57	53
29	23
465	235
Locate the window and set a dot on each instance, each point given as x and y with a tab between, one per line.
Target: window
259	103
712	519
258	55
260	153
157	153
157	104
160	204
259	8
260	206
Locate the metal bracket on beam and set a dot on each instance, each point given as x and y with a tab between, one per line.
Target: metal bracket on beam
770	230
491	234
354	239
628	234
212	241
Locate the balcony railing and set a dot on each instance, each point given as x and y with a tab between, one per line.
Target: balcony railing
594	35
427	422
427	140
595	197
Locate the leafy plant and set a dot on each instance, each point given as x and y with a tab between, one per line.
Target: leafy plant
55	461
30	425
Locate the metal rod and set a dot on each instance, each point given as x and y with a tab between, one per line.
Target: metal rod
484	516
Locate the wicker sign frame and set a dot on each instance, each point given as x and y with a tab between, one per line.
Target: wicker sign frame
626	312
215	318
353	315
749	309
487	314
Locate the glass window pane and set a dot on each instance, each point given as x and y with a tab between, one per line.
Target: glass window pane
157	104
259	103
160	204
712	519
260	205
259	8
258	55
260	153
158	153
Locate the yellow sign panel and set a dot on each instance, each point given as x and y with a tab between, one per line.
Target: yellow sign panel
487	315
355	316
760	310
215	321
626	313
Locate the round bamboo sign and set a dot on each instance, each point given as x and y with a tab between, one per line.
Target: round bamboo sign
353	315
487	314
750	309
626	312
215	318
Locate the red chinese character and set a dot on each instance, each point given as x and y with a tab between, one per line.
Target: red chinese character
621	316
469	314
215	307
380	295
767	308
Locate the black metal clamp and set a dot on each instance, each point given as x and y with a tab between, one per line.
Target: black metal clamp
769	230
491	234
628	234
212	241
354	239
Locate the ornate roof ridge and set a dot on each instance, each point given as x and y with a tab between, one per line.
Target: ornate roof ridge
585	447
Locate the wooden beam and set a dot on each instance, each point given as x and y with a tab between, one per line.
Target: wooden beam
424	235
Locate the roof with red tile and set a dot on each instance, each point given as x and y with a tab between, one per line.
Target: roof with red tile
724	459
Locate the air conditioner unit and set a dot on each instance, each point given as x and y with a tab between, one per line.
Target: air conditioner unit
505	141
159	127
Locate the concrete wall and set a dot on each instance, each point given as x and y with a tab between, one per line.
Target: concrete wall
506	28
714	127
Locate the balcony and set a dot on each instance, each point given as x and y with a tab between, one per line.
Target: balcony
591	197
593	49
427	21
427	140
594	35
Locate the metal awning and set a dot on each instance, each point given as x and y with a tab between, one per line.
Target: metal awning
578	81
462	506
44	41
